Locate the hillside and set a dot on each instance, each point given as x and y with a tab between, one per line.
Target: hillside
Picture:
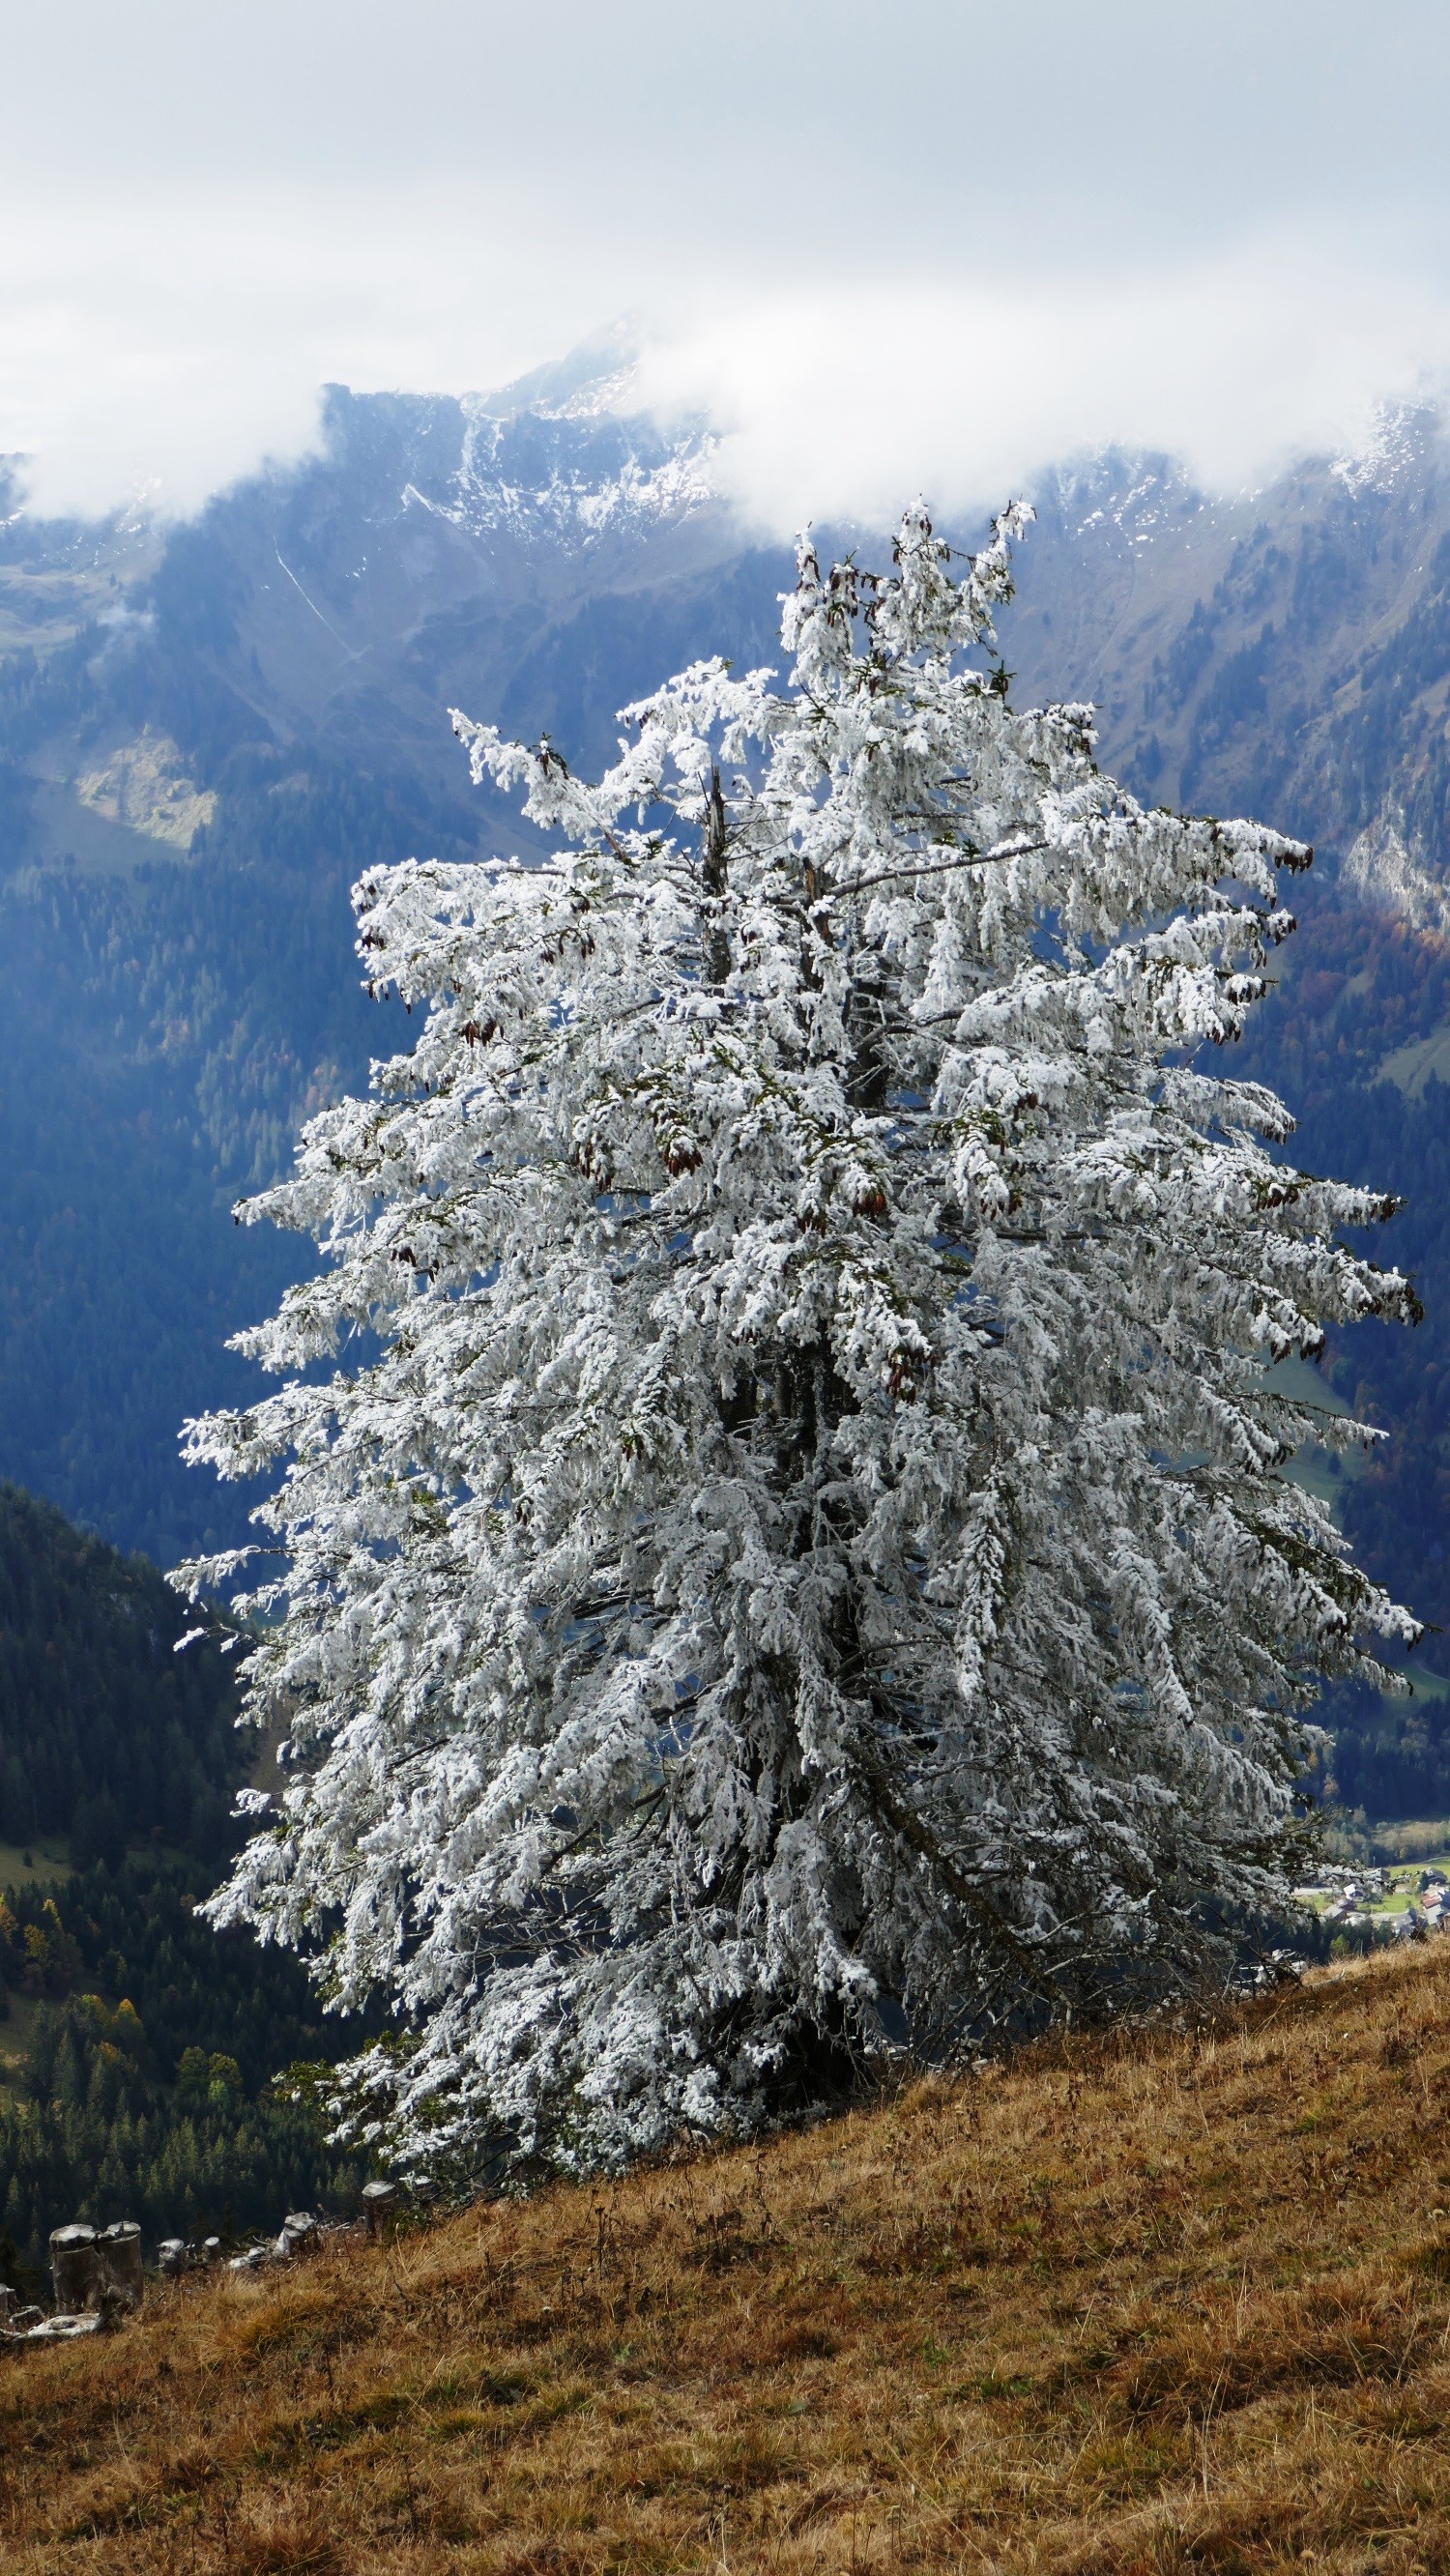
136	2045
107	1734
1165	2301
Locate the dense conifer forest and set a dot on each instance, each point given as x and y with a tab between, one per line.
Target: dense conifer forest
139	2045
1357	986
107	1734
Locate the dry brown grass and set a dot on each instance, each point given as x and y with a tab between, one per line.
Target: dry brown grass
1128	2307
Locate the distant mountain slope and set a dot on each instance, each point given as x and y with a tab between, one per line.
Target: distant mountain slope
1284	650
106	1732
136	2045
1288	655
420	557
282	668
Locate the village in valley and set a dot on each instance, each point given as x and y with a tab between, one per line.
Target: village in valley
1404	1900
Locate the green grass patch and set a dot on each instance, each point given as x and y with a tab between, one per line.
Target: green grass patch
22	1863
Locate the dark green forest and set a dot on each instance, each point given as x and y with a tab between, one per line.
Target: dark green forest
107	1734
146	2091
142	2043
1357	985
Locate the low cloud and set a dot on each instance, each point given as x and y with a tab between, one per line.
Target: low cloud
167	346
929	245
847	400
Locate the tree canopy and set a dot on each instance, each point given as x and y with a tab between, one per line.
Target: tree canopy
792	1554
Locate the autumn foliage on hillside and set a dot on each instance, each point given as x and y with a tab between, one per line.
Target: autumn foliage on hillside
1125	2306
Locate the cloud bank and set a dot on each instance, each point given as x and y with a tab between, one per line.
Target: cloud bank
847	400
932	247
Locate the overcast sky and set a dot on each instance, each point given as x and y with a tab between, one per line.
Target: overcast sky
930	244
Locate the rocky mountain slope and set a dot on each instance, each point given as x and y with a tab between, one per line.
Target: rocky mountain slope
427	553
1287	654
1284	651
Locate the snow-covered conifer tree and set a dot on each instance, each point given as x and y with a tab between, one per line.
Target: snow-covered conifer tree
807	1556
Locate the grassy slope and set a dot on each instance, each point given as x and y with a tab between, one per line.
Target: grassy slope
1151	2303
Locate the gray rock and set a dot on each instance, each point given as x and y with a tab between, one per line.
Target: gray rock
118	2257
74	2267
379	2204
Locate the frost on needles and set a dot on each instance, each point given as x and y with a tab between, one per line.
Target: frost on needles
810	1562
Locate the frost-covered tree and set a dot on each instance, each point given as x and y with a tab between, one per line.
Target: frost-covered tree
802	1556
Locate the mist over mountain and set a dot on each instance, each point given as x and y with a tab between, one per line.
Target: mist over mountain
206	733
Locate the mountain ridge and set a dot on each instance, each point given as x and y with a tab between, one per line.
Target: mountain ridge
1284	652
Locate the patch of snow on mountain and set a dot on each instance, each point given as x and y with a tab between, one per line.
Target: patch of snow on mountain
586	473
1139	496
1382	869
1398	437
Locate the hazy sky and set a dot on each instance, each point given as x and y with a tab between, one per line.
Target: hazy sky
930	243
